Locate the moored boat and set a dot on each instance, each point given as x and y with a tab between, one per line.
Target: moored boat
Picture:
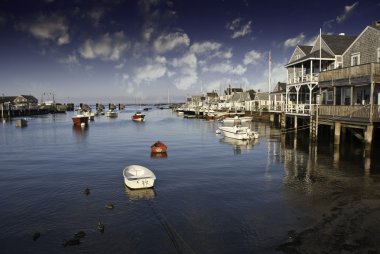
158	147
138	177
80	120
111	113
239	132
138	117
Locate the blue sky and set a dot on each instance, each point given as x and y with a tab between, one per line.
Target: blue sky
127	51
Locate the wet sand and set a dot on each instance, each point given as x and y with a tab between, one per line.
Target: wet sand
350	224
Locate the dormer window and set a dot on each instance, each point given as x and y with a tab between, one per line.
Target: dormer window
355	59
298	57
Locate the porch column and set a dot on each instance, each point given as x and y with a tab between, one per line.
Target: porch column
295	123
371	103
311	70
337	133
302	73
297	89
368	134
334	95
352	95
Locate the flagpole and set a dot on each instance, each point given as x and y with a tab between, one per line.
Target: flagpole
269	75
320	49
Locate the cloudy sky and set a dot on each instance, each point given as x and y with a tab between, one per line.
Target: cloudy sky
127	51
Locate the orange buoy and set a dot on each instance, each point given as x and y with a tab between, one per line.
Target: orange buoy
158	147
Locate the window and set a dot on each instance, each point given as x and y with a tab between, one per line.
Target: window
355	59
298	57
378	55
338	62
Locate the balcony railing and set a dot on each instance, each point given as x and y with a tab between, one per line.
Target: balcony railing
371	70
353	113
303	79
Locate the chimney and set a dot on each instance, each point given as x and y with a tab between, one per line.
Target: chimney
376	24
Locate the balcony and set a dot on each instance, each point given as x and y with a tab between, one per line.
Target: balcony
365	73
355	113
307	78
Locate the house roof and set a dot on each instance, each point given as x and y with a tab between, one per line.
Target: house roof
280	87
30	97
338	43
7	99
305	49
262	96
314	55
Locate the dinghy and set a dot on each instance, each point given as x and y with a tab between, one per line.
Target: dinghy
138	177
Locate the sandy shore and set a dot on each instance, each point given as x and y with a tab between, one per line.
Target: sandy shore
350	225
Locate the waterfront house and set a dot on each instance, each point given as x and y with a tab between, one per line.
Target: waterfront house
340	74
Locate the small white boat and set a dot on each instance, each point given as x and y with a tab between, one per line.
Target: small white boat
138	177
239	132
111	113
237	119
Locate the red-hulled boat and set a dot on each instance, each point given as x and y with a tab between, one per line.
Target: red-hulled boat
159	147
80	120
138	117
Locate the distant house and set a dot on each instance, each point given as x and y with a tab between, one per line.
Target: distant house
25	102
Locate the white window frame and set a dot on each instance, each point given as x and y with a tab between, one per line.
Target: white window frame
378	55
353	56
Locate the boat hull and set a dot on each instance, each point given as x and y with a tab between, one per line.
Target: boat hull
80	120
241	133
140	183
138	118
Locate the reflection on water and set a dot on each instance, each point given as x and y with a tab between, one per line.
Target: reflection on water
140	193
80	132
159	155
239	145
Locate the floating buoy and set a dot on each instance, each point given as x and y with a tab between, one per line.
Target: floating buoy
109	206
159	147
86	191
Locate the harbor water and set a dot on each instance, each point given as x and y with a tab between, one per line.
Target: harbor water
212	194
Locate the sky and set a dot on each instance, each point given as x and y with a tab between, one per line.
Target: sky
151	51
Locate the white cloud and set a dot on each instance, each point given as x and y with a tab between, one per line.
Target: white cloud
108	47
48	28
189	60
185	81
251	57
70	60
119	66
170	41
238	29
348	9
292	42
205	47
225	68
186	73
151	71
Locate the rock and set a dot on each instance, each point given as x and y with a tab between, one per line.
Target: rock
86	191
36	235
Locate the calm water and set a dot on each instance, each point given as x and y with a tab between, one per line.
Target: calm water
211	195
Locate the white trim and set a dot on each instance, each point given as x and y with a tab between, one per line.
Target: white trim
353	56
